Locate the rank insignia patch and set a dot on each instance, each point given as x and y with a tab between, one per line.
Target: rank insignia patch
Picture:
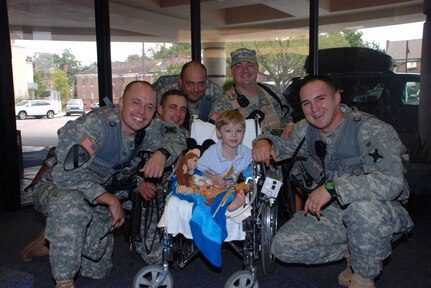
89	145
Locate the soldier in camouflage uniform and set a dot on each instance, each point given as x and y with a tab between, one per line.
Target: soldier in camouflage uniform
172	109
248	96
94	152
193	82
356	210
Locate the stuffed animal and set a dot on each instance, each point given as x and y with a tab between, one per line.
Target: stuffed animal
186	169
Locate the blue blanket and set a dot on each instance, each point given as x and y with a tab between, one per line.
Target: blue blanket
208	229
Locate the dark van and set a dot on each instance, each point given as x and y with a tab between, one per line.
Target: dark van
365	79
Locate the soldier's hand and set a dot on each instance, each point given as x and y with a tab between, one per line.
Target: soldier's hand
114	206
154	166
148	190
214	116
263	152
316	201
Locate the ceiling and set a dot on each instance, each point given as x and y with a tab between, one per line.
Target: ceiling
221	20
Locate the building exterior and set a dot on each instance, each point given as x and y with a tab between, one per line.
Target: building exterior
22	73
406	51
122	74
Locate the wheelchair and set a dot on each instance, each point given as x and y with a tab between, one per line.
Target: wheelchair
257	219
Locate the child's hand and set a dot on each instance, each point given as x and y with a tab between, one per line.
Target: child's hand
228	182
238	201
219	181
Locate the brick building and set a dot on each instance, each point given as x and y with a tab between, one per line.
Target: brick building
122	74
406	51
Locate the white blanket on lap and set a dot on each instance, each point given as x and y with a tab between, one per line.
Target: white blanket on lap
177	216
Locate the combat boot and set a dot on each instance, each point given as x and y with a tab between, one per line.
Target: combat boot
36	247
345	277
65	284
360	282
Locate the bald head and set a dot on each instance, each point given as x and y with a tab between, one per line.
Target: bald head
193	80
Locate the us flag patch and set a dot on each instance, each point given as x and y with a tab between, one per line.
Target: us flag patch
89	145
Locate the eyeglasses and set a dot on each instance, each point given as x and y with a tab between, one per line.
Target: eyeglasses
200	85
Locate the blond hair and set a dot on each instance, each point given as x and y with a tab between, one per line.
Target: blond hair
230	117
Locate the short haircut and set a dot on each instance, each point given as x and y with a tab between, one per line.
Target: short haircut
137	82
169	93
311	78
230	117
191	64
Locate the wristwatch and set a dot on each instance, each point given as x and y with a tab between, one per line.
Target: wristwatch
330	187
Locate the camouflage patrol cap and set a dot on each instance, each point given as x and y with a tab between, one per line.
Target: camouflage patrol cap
243	54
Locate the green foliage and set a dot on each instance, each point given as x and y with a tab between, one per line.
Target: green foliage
282	59
164	51
171	70
39	78
133	57
46	63
43	62
61	84
279	59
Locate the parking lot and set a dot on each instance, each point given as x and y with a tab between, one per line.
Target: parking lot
41	132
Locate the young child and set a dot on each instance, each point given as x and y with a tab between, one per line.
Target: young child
225	160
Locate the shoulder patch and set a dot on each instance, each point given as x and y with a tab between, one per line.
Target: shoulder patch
89	145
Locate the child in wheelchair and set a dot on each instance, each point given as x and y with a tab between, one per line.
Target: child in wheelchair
224	161
213	186
214	199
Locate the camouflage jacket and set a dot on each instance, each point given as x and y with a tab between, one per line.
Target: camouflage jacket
212	93
88	128
276	117
380	151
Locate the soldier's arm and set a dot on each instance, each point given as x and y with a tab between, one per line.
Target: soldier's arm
74	155
286	112
167	142
382	178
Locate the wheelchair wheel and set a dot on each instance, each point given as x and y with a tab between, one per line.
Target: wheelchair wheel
147	277
268	229
241	279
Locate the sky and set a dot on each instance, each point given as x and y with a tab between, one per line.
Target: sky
393	33
86	52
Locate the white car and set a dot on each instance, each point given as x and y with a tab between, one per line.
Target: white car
36	108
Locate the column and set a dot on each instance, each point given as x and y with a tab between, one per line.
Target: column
214	59
425	93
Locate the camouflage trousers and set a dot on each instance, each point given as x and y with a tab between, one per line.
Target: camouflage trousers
364	229
79	233
151	247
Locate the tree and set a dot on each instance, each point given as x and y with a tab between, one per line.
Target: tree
43	62
133	57
70	65
61	84
282	59
279	59
164	51
171	70
39	79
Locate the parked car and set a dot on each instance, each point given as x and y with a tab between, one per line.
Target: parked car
35	108
365	79
75	106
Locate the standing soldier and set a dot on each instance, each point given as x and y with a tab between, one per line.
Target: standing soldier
250	97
